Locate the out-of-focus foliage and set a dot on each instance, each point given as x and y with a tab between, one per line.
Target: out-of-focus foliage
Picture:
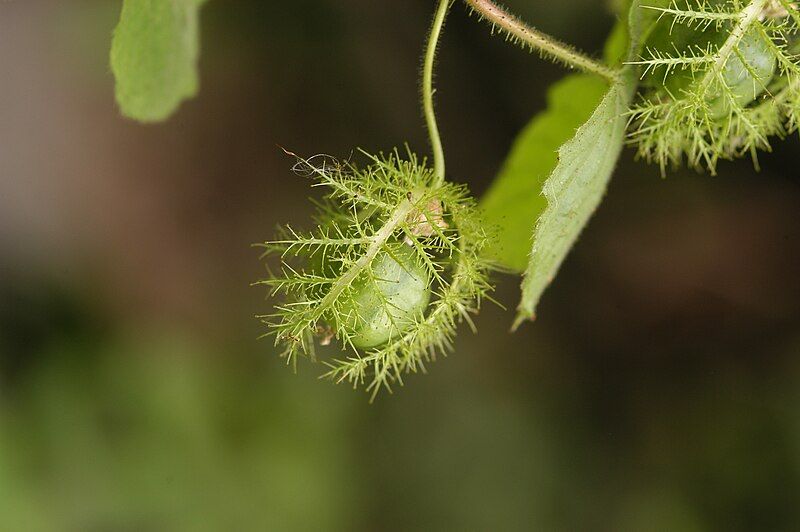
514	202
147	433
153	431
154	56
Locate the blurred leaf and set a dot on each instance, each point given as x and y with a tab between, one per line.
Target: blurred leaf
155	431
617	47
643	19
515	198
515	201
154	56
631	31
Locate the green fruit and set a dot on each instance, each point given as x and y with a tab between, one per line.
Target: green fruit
670	39
390	305
746	74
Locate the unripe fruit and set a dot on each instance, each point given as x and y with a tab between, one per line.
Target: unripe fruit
747	74
392	303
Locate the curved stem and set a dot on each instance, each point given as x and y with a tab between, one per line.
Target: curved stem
427	89
536	40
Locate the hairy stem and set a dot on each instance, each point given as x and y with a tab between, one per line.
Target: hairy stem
546	45
427	89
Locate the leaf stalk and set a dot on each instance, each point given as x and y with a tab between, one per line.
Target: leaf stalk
535	39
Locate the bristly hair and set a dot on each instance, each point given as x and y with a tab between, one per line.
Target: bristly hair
670	127
368	211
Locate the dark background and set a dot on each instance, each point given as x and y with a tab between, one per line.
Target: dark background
659	389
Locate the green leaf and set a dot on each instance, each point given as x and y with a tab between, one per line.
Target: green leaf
643	20
617	45
154	56
573	191
514	201
559	167
577	185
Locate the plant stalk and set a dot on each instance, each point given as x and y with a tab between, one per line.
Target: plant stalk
545	44
428	91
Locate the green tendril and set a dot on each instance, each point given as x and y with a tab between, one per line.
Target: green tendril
428	90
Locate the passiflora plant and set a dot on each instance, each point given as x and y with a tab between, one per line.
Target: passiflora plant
398	256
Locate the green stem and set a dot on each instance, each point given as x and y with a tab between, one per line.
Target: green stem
427	89
536	40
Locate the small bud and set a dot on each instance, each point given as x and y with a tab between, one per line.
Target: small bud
775	9
425	221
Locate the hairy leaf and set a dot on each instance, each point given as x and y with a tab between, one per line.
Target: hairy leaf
514	202
154	56
559	167
573	191
585	164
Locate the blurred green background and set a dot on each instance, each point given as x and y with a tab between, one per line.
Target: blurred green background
659	390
